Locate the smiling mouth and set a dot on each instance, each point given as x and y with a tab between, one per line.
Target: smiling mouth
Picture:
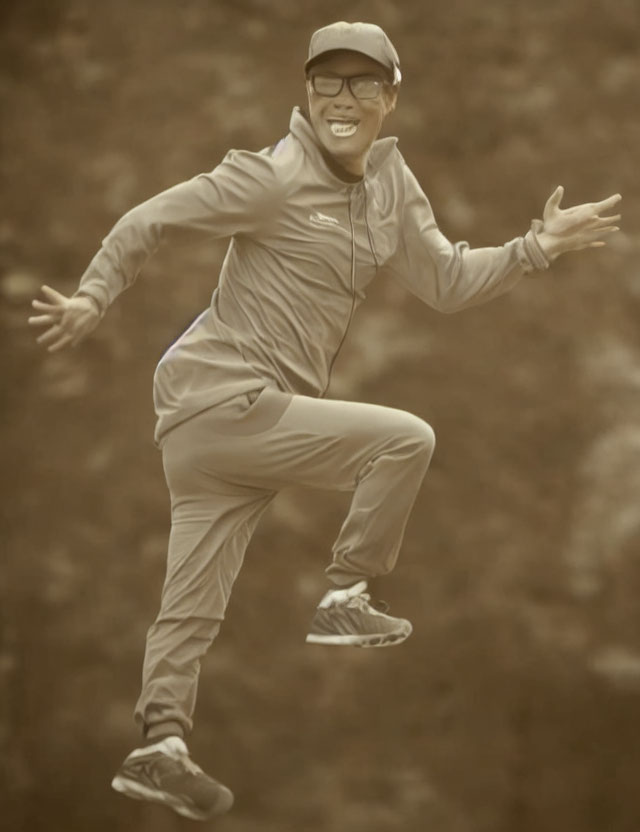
343	128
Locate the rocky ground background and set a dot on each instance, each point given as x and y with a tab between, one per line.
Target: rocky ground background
515	705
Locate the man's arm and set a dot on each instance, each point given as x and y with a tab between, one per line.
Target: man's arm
237	197
450	276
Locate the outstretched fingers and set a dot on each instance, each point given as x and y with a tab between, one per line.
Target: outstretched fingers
65	321
52	315
46	307
607	203
52	334
609	229
64	341
52	311
54	306
601	222
55	338
42	320
56	297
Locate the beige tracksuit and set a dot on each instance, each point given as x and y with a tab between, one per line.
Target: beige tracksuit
239	395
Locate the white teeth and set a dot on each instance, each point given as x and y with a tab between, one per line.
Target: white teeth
344	129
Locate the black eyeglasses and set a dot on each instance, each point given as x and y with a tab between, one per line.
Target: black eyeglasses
361	86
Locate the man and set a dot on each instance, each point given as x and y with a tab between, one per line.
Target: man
239	396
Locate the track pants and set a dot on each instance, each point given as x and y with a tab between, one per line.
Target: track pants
223	467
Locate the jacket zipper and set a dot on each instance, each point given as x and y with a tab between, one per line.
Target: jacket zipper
366	222
353	293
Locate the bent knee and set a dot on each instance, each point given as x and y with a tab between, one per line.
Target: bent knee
427	438
420	434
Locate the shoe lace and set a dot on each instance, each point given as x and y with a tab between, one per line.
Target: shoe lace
186	761
363	600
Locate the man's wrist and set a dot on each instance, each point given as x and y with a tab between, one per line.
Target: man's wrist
93	302
549	244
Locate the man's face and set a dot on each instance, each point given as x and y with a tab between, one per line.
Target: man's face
345	125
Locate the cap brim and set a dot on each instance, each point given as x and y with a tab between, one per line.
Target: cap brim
392	72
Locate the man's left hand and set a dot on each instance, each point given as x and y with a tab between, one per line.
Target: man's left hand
571	229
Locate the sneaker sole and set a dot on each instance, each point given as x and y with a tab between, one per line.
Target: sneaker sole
137	791
378	640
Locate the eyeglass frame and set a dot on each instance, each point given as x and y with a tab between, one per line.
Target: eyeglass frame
311	76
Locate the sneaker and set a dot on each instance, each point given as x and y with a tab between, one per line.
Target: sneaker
345	617
164	773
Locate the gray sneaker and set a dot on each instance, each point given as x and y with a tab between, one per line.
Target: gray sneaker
164	773
345	617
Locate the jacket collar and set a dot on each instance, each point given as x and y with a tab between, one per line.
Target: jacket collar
301	128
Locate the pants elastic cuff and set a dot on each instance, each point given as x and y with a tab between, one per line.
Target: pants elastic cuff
159	730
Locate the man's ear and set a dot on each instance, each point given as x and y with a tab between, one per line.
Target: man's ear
392	98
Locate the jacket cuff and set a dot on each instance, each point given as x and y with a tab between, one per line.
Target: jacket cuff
533	257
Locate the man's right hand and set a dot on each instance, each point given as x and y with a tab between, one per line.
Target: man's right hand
67	320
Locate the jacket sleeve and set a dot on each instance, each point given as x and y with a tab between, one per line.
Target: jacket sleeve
450	277
235	198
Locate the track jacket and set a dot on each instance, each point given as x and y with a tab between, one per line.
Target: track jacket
304	246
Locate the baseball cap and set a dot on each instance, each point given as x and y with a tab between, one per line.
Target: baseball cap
366	38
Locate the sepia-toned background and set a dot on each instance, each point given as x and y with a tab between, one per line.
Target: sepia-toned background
515	705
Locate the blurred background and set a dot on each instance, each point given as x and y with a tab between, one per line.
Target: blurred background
515	706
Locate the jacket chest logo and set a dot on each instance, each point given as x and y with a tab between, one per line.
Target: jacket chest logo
323	220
